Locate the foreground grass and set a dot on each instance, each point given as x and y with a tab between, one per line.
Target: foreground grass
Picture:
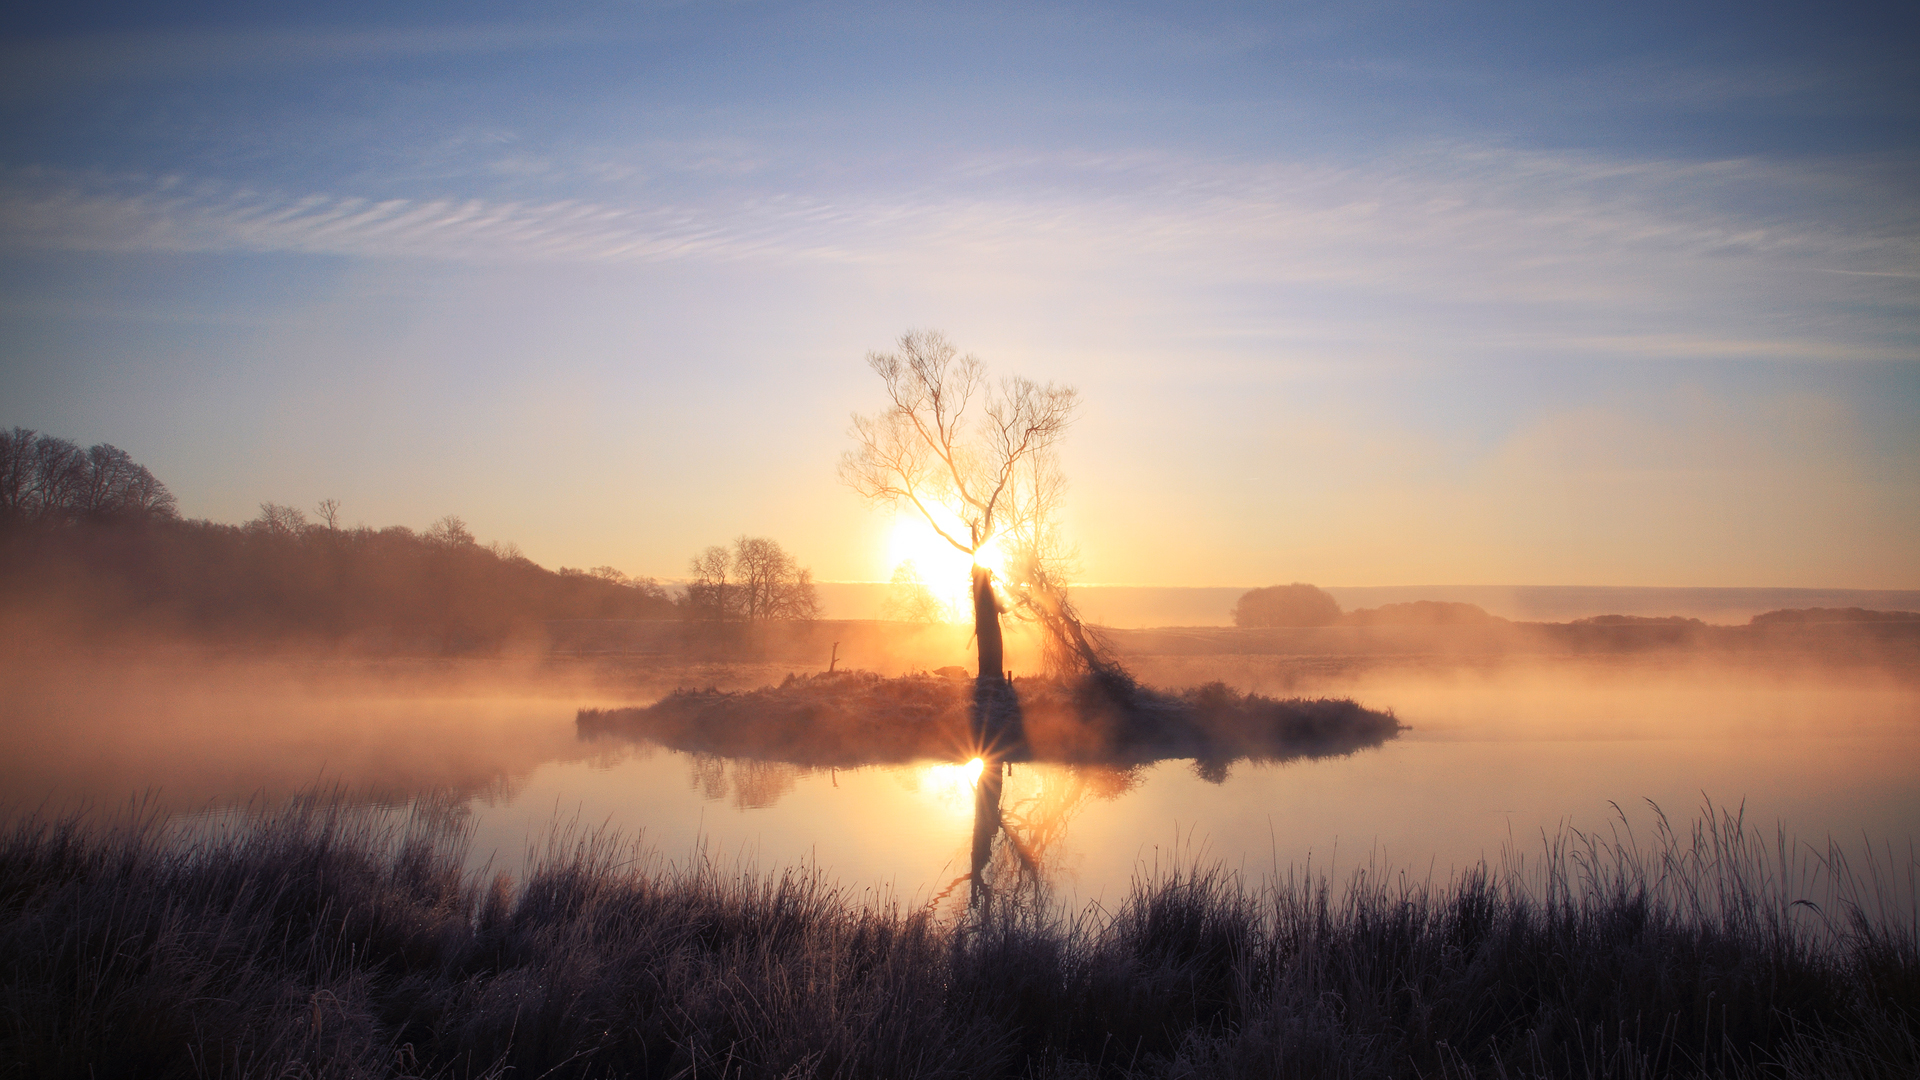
319	940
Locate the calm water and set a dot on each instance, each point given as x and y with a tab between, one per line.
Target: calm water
1491	759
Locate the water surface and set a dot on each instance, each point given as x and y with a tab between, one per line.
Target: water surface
1492	759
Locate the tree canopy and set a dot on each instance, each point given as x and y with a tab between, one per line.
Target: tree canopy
974	460
754	581
45	479
1298	604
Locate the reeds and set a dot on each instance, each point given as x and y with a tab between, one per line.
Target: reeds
321	940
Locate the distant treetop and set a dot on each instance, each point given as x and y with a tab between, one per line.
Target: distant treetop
46	479
1298	604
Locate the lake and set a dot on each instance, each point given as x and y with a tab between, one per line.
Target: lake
1493	757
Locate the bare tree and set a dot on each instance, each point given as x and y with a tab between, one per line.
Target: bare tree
976	461
757	581
451	531
47	479
57	468
761	565
328	510
16	472
909	599
710	594
278	520
797	600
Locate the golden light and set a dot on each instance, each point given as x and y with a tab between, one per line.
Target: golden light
991	557
943	568
914	538
952	785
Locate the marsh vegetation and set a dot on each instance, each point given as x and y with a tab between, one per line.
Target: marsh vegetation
313	939
854	718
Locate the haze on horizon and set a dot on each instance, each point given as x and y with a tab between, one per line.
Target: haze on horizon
1390	294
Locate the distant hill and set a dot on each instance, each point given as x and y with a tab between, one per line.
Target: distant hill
1139	606
277	579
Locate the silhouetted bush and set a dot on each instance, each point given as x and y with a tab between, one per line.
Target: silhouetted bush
320	941
1423	613
1298	604
1640	621
1818	615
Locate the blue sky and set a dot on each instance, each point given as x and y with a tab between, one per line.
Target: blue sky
1355	294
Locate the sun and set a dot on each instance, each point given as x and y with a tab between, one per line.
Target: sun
938	561
952	785
942	566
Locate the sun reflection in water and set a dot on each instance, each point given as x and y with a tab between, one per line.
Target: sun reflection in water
952	785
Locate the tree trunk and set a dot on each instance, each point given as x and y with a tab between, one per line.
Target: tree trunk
999	730
986	627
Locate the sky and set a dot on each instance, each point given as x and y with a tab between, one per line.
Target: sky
1356	293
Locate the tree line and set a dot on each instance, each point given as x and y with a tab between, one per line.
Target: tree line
47	479
90	540
1303	605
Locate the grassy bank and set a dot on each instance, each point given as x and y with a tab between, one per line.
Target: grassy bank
322	941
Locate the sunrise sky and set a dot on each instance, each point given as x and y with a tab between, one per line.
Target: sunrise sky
1355	293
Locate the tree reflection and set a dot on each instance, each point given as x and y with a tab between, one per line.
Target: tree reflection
1030	825
752	783
1071	739
986	822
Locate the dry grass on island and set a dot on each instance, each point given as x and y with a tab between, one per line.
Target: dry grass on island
851	718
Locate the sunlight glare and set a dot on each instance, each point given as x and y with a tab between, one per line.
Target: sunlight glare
938	561
942	567
952	785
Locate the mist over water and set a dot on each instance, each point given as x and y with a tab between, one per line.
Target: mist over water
1497	751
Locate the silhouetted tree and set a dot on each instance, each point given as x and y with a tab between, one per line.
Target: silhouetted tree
1298	604
46	479
451	531
16	472
757	581
976	461
710	593
772	585
278	520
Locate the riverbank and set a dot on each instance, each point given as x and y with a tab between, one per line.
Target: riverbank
317	939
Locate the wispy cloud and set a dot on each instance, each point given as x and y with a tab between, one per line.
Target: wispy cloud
120	217
52	64
1452	224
